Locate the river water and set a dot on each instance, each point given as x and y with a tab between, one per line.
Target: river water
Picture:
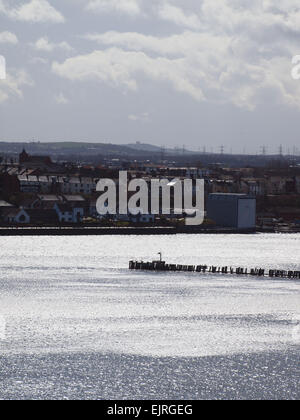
75	323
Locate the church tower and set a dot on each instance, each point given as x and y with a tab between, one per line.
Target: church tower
23	157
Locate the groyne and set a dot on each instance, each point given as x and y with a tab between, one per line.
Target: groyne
239	271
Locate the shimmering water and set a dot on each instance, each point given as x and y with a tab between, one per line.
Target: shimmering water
79	324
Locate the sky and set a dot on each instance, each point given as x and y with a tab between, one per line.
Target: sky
199	73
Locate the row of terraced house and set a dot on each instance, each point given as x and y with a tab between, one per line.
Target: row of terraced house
38	190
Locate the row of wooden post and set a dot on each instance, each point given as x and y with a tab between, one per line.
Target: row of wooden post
162	266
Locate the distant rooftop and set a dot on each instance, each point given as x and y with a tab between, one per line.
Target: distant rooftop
74	198
5	204
49	198
231	194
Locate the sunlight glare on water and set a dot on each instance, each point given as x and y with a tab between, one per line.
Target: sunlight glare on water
77	294
67	296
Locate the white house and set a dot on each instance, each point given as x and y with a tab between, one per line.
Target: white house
31	216
29	183
67	214
36	184
77	185
19	216
46	184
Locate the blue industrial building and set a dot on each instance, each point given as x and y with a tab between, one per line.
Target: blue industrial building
232	210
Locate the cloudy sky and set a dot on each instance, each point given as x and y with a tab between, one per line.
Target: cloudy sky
170	72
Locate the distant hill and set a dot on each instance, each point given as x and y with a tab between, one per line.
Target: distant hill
98	152
71	148
144	147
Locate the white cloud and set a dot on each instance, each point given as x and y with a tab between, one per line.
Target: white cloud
43	44
177	15
120	68
8	38
222	52
38	60
179	45
128	7
33	11
233	52
144	117
12	85
61	99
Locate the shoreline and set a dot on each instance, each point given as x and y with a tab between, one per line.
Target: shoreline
93	231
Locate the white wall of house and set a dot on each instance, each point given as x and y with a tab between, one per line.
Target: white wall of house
44	184
277	185
71	216
33	184
28	186
45	187
256	188
78	186
22	217
63	216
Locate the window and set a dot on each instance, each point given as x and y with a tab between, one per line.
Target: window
22	218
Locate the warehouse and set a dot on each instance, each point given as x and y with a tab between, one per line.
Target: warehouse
232	210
